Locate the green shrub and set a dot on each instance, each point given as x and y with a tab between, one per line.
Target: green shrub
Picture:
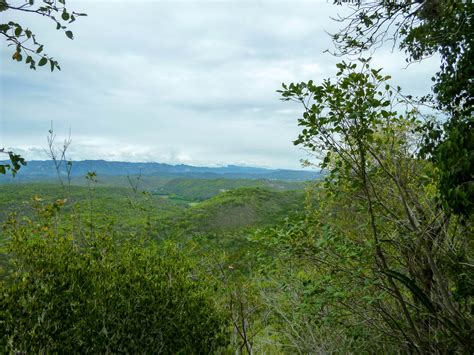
98	295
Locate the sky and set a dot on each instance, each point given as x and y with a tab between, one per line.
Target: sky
179	82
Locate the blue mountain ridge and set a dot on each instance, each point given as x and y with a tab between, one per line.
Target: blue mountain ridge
45	169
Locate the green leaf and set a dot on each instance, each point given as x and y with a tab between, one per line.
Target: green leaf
65	15
69	34
43	61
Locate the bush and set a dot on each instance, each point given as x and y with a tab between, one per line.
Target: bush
99	295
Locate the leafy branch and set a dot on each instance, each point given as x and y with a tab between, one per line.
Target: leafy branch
26	47
15	163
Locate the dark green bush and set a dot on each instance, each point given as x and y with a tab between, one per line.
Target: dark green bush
99	296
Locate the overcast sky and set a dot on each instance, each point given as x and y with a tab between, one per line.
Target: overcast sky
188	82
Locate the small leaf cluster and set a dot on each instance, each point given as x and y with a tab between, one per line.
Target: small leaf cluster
27	48
15	163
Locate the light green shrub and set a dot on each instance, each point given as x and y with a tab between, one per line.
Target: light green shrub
99	295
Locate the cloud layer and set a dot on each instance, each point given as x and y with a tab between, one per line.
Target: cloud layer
178	82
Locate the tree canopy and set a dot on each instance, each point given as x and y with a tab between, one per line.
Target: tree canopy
423	28
385	252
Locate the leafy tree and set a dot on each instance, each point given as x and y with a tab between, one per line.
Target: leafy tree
423	28
378	231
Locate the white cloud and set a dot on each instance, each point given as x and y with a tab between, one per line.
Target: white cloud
178	81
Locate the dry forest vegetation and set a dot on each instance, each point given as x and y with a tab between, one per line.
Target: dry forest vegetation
374	256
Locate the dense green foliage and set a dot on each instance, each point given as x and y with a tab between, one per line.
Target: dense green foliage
425	28
98	278
389	257
66	290
116	208
168	214
455	158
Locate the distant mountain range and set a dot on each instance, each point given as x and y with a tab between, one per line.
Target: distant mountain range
38	170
